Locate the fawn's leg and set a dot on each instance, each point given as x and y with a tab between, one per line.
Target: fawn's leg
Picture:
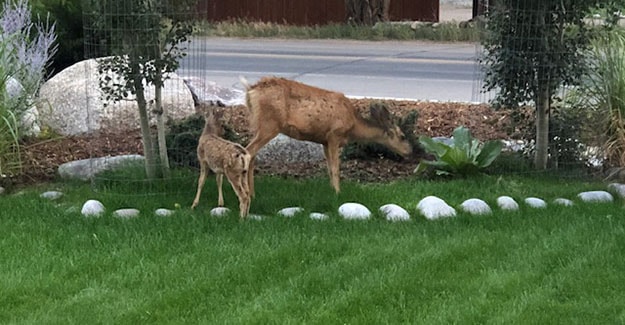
200	184
237	180
220	181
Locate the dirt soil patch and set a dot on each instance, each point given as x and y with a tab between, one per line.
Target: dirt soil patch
41	158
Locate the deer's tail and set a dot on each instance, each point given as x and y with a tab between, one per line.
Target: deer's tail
244	82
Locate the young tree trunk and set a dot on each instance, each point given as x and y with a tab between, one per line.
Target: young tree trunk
144	119
543	105
159	110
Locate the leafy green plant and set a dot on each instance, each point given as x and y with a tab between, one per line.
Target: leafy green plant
531	50
464	156
144	48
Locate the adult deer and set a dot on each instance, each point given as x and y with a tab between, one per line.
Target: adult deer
309	113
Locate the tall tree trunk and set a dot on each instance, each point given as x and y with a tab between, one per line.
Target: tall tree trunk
543	105
151	162
543	100
159	110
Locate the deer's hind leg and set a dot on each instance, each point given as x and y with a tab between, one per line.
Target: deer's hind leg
333	160
259	140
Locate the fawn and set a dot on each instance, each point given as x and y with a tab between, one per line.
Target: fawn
223	157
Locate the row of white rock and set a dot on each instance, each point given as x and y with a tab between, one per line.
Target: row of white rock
430	207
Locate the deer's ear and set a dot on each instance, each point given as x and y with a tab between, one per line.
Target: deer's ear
214	113
380	114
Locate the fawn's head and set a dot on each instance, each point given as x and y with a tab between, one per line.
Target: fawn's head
213	114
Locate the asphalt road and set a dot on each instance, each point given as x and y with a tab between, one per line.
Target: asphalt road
412	70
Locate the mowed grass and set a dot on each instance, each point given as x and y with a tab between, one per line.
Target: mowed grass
559	265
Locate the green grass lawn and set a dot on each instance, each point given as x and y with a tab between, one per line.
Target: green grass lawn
559	265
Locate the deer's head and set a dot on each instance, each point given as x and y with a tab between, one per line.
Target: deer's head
394	138
213	117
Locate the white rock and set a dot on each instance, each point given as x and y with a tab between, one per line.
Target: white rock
563	202
507	203
75	92
393	212
51	195
596	196
126	213
85	169
162	212
30	122
432	208
318	216
535	202
354	211
92	208
475	207
2	190
284	149
618	188
256	217
290	212
219	211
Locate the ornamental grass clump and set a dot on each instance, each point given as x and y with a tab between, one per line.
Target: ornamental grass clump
25	49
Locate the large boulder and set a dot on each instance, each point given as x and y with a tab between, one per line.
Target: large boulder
284	149
73	103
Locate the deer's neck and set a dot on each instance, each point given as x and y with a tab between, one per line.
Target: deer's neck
365	130
210	128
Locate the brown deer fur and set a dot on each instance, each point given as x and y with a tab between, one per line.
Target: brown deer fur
223	157
308	113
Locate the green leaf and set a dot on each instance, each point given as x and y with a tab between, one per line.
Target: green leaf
490	152
433	147
455	158
462	138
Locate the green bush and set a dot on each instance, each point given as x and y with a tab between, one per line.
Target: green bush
568	137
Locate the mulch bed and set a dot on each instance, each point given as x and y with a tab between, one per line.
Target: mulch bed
41	158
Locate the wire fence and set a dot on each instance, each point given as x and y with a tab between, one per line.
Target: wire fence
534	48
133	50
544	55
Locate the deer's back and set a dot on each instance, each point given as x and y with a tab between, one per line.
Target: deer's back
300	111
220	154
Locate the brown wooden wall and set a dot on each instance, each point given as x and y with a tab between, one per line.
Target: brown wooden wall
308	12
